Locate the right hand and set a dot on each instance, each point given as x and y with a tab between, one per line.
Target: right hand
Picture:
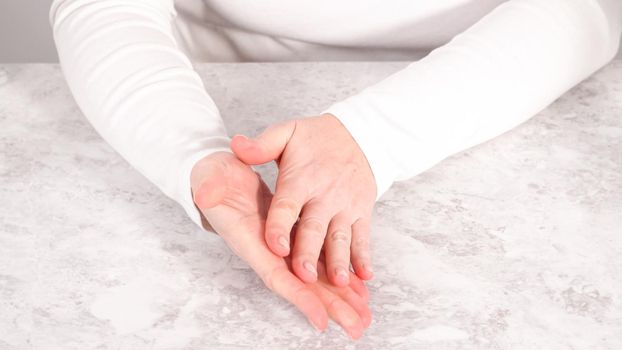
325	179
235	201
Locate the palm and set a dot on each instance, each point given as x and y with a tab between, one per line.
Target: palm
235	202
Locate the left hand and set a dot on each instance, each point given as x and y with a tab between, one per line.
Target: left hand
325	179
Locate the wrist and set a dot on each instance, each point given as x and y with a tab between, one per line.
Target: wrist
335	122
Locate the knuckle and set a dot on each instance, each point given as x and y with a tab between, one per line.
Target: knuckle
287	204
361	243
339	236
312	225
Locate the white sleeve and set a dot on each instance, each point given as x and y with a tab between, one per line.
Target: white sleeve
137	88
503	70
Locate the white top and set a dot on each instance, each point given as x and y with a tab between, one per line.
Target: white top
494	65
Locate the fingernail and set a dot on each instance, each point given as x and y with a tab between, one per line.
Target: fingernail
246	142
341	273
284	243
314	325
309	267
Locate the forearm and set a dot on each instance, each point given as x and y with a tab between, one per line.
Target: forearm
497	74
138	89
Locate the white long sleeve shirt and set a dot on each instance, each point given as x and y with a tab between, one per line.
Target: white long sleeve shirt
493	64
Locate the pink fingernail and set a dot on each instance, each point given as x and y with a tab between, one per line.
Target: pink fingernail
314	325
284	243
246	143
341	273
309	267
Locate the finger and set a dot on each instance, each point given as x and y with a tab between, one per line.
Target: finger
266	147
280	280
282	215
350	296
246	241
337	249
358	304
339	310
358	286
310	233
361	259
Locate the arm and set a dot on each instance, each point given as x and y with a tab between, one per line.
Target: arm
497	74
142	95
138	89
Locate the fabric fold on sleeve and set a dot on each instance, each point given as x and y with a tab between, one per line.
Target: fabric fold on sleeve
138	89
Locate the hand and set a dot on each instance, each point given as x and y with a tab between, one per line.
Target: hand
325	179
234	200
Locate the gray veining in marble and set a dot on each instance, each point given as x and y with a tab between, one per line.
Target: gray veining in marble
514	244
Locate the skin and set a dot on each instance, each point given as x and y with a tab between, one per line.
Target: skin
325	179
234	202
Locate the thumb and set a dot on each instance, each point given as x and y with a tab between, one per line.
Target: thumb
266	147
208	181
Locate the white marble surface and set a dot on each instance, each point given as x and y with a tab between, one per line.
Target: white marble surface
515	244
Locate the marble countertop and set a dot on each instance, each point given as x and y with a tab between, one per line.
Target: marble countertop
516	243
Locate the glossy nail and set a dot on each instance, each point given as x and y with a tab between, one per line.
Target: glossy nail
309	267
284	243
341	274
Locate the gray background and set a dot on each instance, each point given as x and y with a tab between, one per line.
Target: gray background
25	33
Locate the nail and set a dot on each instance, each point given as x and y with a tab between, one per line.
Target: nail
314	325
309	267
284	243
341	273
246	143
